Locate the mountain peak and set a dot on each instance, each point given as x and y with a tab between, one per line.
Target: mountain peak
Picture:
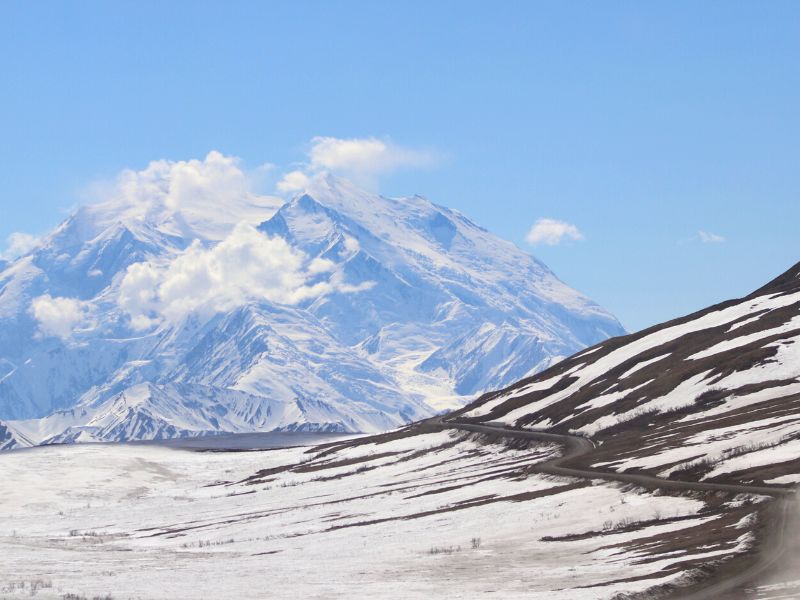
411	223
354	317
171	204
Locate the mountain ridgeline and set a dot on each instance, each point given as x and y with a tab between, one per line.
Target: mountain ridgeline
713	396
340	310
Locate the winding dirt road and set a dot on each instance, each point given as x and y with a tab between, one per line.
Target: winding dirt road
576	446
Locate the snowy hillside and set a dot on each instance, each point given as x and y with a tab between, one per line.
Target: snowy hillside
409	516
10	439
714	396
167	312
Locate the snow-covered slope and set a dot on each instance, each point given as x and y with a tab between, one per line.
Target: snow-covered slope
340	310
714	395
9	439
409	515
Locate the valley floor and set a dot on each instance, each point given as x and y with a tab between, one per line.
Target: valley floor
413	514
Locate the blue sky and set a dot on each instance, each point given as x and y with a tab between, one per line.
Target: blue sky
640	124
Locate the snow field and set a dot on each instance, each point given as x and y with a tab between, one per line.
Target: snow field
410	518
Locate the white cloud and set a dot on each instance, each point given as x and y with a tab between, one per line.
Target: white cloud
365	155
351	245
217	179
552	232
58	317
211	195
710	238
293	181
19	244
246	266
363	160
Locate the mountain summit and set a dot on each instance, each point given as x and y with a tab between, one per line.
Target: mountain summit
340	310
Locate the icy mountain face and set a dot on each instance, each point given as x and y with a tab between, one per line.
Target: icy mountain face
341	310
447	298
714	395
7	439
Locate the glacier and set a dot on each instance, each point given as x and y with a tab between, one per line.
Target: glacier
388	310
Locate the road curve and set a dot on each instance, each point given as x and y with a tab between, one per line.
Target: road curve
576	446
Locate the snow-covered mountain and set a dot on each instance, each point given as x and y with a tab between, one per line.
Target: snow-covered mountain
142	317
9	439
712	396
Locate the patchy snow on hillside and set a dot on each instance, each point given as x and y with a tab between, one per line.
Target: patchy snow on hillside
414	516
715	395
